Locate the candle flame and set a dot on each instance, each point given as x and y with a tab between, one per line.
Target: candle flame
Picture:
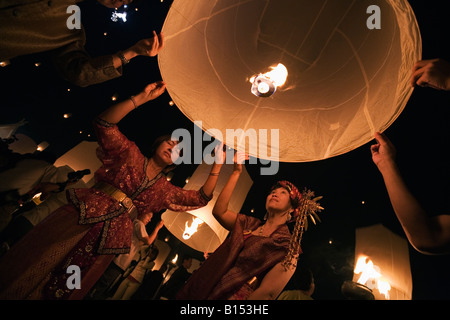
190	230
174	260
37	196
277	75
369	272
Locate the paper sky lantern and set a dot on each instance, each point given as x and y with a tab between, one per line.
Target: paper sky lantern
82	156
348	65
198	228
382	263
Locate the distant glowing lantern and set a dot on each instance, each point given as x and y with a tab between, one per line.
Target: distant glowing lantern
346	80
42	146
382	263
82	156
198	228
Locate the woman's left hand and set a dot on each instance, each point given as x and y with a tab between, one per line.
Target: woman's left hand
151	92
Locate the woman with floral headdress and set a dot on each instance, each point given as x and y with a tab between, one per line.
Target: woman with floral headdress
258	258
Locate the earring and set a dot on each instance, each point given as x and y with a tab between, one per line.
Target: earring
288	217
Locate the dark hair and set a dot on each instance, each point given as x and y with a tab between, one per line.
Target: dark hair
154	252
158	141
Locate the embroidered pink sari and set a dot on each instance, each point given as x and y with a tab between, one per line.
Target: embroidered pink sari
94	228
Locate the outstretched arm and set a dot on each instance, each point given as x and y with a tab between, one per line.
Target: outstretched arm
145	47
117	112
211	181
429	235
273	283
151	238
225	217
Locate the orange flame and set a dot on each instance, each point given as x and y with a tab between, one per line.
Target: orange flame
190	230
278	75
370	272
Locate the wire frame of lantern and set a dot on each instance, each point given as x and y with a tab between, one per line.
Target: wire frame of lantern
198	228
344	80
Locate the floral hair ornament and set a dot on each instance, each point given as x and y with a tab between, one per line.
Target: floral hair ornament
294	194
307	207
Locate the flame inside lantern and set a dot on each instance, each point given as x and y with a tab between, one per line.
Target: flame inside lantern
264	85
190	230
371	276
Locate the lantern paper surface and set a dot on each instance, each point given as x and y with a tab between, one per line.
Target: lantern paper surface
210	234
390	253
345	80
82	156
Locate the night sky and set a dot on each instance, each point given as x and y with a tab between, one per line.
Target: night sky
421	135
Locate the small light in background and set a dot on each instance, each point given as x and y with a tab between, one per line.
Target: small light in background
171	103
114	97
105	33
119	15
169	176
67	115
252	210
363	202
42	146
37	64
4	63
187	180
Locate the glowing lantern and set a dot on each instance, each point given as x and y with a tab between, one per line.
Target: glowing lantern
371	277
82	156
198	228
189	230
382	263
346	79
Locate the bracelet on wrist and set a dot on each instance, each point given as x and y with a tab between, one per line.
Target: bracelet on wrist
134	102
122	58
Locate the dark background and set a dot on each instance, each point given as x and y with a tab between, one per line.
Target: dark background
421	135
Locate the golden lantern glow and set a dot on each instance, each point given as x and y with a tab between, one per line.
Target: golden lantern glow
346	79
371	276
192	228
198	228
382	263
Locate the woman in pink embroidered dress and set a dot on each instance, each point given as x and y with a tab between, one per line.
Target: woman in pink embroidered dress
97	224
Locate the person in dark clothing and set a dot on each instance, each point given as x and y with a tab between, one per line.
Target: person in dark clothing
177	280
